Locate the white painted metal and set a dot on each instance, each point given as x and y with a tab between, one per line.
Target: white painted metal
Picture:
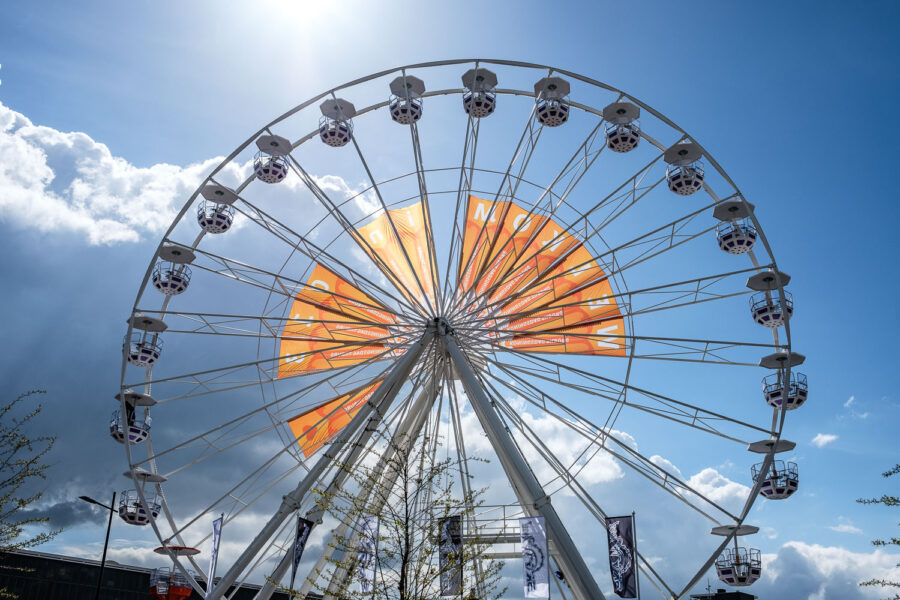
682	154
370	413
529	491
406	433
274	145
218	194
621	113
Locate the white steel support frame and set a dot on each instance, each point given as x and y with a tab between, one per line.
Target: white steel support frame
371	414
406	431
379	493
528	489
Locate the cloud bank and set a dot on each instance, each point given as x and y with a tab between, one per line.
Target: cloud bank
54	181
801	571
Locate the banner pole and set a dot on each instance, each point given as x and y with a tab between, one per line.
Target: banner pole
637	564
214	557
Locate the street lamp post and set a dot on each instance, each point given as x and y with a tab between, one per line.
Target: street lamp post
111	510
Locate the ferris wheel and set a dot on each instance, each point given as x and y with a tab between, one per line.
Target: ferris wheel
510	256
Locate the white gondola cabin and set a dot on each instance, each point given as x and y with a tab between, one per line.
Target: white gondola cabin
133	512
479	99
405	103
773	390
552	104
684	173
270	163
736	237
624	131
132	428
170	278
336	126
739	566
214	218
143	348
767	310
780	481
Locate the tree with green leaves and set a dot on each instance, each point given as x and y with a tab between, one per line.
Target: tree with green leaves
411	493
885	500
22	459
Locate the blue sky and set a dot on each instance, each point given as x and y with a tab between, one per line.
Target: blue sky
796	101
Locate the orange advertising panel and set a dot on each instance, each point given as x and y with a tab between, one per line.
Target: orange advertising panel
572	273
330	325
328	290
602	337
312	322
319	425
304	356
591	303
577	269
381	244
544	250
515	236
482	221
537	287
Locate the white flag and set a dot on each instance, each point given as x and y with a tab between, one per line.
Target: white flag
367	554
217	533
535	558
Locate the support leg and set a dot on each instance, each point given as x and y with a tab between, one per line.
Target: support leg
528	489
378	404
408	430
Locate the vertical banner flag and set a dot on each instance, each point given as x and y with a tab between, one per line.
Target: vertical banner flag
451	555
303	529
534	557
217	534
620	531
367	554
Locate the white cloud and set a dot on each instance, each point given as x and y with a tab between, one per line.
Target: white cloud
54	181
666	465
850	405
710	483
339	190
845	526
822	439
580	458
801	571
719	488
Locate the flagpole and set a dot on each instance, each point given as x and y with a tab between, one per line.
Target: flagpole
215	555
293	552
637	564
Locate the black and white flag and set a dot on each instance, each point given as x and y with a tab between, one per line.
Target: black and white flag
535	557
367	554
451	556
214	556
303	529
622	559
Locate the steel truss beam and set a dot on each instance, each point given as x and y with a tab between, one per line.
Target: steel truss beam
371	414
379	492
528	489
408	430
